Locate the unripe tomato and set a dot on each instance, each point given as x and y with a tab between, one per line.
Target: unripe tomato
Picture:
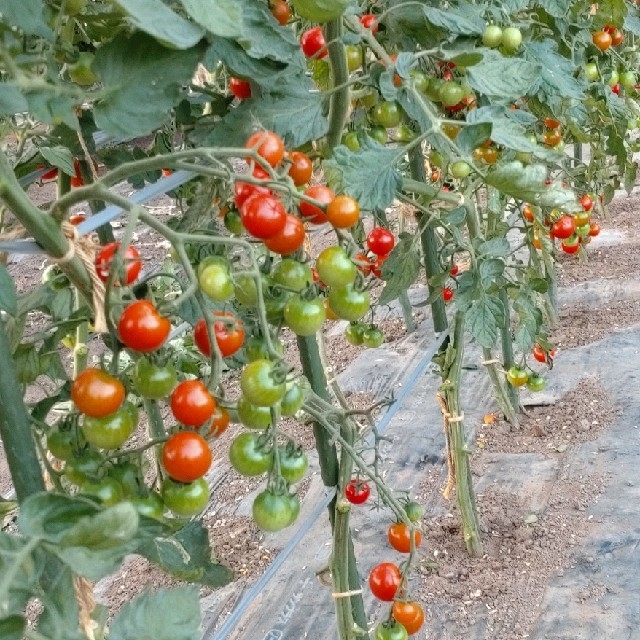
113	430
354	57
460	169
152	380
215	282
492	36
511	39
185	500
372	337
335	267
249	455
451	93
348	302
304	317
107	491
387	114
517	376
261	384
273	511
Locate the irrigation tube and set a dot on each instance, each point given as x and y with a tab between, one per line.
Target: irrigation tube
234	617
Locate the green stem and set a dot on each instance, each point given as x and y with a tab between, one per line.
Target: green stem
507	352
15	429
502	396
552	291
339	105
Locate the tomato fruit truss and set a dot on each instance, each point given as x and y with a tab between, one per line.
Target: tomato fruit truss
313	43
191	403
273	511
96	393
312	213
113	430
409	614
131	267
380	241
186	456
263	215
268	146
228	331
262	383
384	581
357	491
185	499
399	537
142	328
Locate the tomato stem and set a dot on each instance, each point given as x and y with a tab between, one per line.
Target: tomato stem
339	102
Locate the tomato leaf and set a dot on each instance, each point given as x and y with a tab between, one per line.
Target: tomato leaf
11	100
473	136
484	319
27	15
454	21
494	248
13	627
142	81
59	619
367	175
187	555
50	107
27	363
25	569
400	270
159	21
556	81
489	271
8	295
168	614
504	79
59	157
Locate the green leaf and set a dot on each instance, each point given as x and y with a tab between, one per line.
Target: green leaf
7	506
473	136
27	363
400	270
59	619
27	15
556	75
454	21
455	217
494	248
555	8
61	305
187	555
529	184
320	11
222	17
169	614
630	175
159	21
8	295
142	81
12	627
539	285
484	318
11	100
59	157
368	175
19	573
48	106
489	271
502	78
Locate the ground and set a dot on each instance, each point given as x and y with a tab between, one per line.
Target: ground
541	486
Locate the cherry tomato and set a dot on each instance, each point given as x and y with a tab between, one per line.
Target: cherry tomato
376	266
107	491
83	467
281	12
536	382
594	229
354	60
148	506
186	456
215	282
293	463
617	37
228	331
552	137
409	614
564	227
263	215
380	241
384	581
527	212
233	222
292	399
62	444
369	21
450	94
511	39
269	146
128	475
260	383
219	422
142	328
591	71
387	114
131	267
185	500
354	333
113	430
390	630
191	403
349	303
517	376
413	510
551	123
586	202
581	218
252	416
357	491
335	267
447	294
460	169
539	353
313	43
372	337
241	89
570	248
272	511
602	40
244	190
399	537
289	239
492	36
301	168
454	270
95	393
310	212
343	212
249	455
304	317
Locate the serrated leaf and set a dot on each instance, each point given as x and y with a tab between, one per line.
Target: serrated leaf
11	100
187	555
556	75
159	21
169	614
484	318
555	8
142	81
489	271
59	619
8	294
222	17
494	248
473	136
502	78
50	107
59	157
368	175
454	21
27	15
400	270
525	335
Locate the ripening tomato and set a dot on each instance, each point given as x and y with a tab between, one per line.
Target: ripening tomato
191	403
384	581
96	393
399	537
357	491
617	37
228	331
241	89
301	168
312	213
552	137
131	268
343	212
409	614
369	21
263	215
281	11
219	422
564	227
142	328
186	456
517	376
313	43
602	40
289	239
380	241
570	248
269	145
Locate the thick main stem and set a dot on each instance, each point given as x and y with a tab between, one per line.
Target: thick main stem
339	106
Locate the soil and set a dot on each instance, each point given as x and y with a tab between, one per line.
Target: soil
527	542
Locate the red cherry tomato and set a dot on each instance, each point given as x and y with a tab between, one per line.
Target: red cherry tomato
380	241
384	581
269	146
357	491
142	328
186	456
131	268
369	21
301	168
191	403
228	331
96	393
313	43
289	239
447	294
241	89
312	213
263	215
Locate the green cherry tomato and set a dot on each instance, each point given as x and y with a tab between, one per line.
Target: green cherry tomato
127	474
583	230
216	283
372	337
293	463
536	382
413	510
249	455
252	416
108	491
272	511
613	79
154	381
246	291
420	80
511	39
354	57
354	333
256	348
83	467
233	222
292	274
185	500
460	169
292	399
379	134
387	114
261	384
62	444
294	506
149	506
304	317
517	376
391	631
274	303
348	303
350	140
591	72
492	36
113	430
628	79
335	267
451	93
